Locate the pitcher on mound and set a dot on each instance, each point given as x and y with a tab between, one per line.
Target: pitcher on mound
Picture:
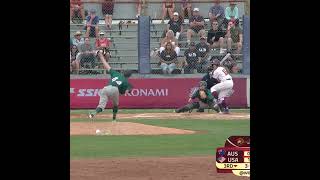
117	85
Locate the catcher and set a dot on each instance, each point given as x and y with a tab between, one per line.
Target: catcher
205	99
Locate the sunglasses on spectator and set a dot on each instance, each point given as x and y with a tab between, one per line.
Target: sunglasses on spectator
214	24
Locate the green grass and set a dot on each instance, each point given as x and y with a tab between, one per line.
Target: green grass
213	134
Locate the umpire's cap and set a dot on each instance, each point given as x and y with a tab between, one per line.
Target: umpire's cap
127	73
215	62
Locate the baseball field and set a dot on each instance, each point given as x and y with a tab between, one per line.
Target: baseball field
151	144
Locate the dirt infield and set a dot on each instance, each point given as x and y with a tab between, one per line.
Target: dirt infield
173	168
121	128
193	115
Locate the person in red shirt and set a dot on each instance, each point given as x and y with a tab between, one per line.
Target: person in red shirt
76	7
102	43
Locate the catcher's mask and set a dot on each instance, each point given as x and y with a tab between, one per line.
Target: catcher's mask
202	85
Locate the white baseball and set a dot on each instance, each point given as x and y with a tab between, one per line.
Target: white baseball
98	131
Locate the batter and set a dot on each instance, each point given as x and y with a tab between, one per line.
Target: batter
224	88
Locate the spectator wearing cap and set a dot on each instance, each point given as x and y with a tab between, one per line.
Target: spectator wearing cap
77	40
168	59
167	8
91	28
191	59
196	25
172	40
216	13
175	24
235	36
76	10
203	52
232	13
103	44
107	11
186	8
216	36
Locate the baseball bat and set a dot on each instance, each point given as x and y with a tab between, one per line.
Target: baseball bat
226	57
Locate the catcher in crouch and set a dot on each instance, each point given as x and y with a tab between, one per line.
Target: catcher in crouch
205	99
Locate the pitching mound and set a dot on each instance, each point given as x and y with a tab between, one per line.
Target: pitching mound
121	128
193	115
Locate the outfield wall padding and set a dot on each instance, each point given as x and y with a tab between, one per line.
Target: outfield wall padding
149	93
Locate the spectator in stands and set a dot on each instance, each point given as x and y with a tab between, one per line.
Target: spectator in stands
170	39
77	40
168	59
167	8
235	36
203	52
196	25
216	13
232	13
175	24
92	29
138	6
216	36
102	43
186	8
74	63
76	10
107	11
86	55
191	59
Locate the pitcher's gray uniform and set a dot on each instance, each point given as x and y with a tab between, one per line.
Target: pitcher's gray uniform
118	85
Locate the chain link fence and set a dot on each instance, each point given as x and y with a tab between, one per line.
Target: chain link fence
184	37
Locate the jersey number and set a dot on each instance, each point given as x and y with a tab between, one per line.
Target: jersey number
225	71
115	80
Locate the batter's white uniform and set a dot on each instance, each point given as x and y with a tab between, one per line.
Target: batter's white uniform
224	88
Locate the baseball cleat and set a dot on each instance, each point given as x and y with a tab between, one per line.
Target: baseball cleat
114	117
226	111
91	115
216	108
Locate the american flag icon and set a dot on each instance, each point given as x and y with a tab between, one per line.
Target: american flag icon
221	159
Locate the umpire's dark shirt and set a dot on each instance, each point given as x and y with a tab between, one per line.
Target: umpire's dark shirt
210	81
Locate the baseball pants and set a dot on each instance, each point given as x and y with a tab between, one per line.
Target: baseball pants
223	89
108	92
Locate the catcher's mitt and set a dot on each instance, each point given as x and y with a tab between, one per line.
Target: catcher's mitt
202	94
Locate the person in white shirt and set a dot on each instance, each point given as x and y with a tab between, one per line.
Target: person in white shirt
224	88
78	40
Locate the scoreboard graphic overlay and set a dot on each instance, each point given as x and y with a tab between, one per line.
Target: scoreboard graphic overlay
235	156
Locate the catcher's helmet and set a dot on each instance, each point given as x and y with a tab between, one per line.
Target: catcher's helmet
215	62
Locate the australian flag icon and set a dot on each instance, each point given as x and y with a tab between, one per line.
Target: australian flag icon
221	152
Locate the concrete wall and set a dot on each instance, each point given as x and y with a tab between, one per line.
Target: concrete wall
128	10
